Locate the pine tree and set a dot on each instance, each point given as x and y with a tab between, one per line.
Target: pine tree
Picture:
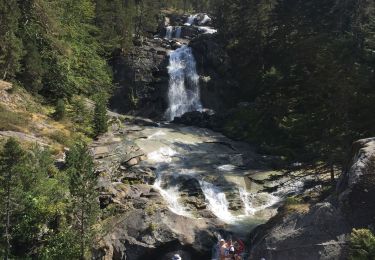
82	182
100	116
60	110
10	44
11	158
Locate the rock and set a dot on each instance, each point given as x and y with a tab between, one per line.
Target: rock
322	232
5	85
144	73
132	162
218	89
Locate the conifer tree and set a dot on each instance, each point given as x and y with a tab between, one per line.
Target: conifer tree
60	110
10	44
100	116
11	158
82	182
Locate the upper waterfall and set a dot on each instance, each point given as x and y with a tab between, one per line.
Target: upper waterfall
184	91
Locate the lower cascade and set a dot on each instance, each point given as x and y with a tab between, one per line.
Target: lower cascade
184	91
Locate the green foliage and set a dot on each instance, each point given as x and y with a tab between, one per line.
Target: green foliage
10	44
100	116
362	245
11	165
60	110
38	205
307	68
82	182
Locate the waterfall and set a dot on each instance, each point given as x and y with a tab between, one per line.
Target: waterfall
191	20
217	201
205	20
178	32
184	92
169	32
172	197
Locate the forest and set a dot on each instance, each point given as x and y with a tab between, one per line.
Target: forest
306	68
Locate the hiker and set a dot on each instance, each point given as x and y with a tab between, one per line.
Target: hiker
176	257
239	247
222	249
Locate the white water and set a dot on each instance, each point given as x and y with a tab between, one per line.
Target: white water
178	32
169	32
205	20
164	154
248	200
184	91
226	167
217	202
171	196
191	20
207	30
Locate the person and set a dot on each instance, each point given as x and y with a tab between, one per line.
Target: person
239	248
222	249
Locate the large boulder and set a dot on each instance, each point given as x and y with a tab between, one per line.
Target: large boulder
322	232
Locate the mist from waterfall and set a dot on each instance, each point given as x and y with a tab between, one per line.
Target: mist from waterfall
184	91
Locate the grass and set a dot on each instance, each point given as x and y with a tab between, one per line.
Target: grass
13	121
296	204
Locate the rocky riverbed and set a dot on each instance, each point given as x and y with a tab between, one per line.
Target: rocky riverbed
167	188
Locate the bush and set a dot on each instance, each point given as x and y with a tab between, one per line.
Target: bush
362	245
100	116
60	110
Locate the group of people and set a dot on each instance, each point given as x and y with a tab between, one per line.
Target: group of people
229	250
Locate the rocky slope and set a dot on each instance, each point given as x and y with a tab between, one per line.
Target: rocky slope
322	231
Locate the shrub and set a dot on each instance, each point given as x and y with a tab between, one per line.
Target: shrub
60	110
362	245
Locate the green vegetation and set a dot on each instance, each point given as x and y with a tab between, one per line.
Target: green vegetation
100	116
307	69
60	110
10	120
82	182
39	202
362	245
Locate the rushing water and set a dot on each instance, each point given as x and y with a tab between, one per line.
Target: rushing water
178	32
191	19
184	91
169	32
217	202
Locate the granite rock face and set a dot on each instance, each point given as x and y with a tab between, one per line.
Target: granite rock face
322	232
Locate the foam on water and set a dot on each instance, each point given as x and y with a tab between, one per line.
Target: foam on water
217	202
164	154
226	167
172	197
